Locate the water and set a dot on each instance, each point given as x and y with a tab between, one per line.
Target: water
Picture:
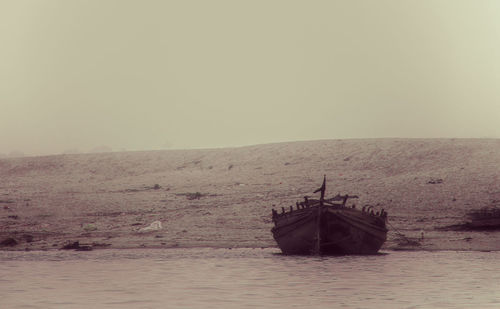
247	278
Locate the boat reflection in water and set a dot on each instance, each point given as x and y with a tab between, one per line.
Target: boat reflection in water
329	227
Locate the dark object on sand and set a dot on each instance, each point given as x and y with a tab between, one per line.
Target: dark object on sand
28	238
484	219
435	181
76	246
328	226
8	242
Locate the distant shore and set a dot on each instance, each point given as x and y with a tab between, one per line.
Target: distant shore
223	197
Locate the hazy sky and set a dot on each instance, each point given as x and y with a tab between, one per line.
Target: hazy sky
138	75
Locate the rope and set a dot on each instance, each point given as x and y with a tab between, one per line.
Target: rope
400	234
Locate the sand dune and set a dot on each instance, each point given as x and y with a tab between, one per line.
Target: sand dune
223	197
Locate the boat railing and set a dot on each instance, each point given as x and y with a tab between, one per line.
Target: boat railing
310	202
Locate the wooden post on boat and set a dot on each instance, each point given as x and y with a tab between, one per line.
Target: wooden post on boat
317	247
322	190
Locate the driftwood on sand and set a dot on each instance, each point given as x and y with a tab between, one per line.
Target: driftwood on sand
483	219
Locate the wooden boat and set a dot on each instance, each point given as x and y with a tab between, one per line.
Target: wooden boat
329	226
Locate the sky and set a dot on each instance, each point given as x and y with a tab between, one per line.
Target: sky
90	75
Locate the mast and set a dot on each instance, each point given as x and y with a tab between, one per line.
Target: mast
317	247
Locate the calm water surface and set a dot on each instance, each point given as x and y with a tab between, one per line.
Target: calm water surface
247	278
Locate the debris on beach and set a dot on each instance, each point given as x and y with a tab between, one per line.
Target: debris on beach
155	226
483	219
155	187
8	242
28	238
435	181
76	246
100	245
486	218
192	195
89	227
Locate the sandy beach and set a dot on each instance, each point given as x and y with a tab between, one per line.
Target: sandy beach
224	197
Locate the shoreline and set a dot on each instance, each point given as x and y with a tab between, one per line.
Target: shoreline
381	251
473	241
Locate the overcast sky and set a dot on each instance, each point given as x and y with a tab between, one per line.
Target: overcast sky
140	75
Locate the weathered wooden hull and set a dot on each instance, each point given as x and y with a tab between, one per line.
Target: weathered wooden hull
341	230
